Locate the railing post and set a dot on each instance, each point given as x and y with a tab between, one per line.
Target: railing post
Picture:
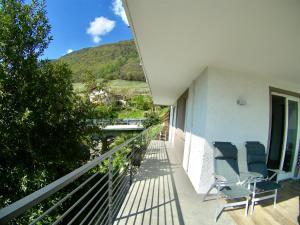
143	144
130	165
110	188
130	174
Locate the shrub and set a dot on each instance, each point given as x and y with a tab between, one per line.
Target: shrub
152	118
142	102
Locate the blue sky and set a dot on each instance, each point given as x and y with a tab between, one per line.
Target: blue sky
79	24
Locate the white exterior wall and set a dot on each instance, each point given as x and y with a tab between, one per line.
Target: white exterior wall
228	121
214	115
196	118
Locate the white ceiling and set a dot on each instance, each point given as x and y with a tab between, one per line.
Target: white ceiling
177	39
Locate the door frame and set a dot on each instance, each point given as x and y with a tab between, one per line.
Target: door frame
292	97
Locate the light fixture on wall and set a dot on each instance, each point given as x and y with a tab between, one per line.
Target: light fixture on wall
241	101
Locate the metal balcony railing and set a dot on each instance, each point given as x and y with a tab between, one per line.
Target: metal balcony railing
107	122
91	194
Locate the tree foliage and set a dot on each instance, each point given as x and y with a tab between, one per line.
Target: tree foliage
142	102
42	121
89	80
152	118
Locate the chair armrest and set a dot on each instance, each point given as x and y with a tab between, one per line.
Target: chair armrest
277	171
219	177
226	183
250	175
222	181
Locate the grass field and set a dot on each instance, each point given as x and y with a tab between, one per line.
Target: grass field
129	88
134	114
78	87
121	87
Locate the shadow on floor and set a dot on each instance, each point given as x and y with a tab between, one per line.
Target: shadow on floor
152	198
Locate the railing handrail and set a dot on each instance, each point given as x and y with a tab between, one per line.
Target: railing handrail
116	121
20	206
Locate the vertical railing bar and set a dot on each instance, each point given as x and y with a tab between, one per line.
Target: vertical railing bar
62	200
110	161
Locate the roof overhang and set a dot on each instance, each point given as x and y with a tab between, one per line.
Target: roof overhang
177	39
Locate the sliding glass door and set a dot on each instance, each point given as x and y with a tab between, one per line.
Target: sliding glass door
284	143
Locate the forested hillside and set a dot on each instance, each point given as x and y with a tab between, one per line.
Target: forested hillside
112	61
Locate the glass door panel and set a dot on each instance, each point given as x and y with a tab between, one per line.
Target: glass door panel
291	138
277	132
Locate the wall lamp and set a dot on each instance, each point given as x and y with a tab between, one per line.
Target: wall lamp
241	101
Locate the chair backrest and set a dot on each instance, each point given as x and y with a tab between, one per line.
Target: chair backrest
226	161
256	158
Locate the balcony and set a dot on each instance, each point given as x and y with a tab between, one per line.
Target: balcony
163	194
156	191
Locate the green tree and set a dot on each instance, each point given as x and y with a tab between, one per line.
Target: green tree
42	121
142	102
89	80
152	118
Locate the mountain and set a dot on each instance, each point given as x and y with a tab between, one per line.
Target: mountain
111	61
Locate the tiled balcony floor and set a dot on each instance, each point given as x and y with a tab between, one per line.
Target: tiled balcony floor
163	194
287	211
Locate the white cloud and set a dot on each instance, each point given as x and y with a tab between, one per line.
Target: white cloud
69	51
119	10
99	27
